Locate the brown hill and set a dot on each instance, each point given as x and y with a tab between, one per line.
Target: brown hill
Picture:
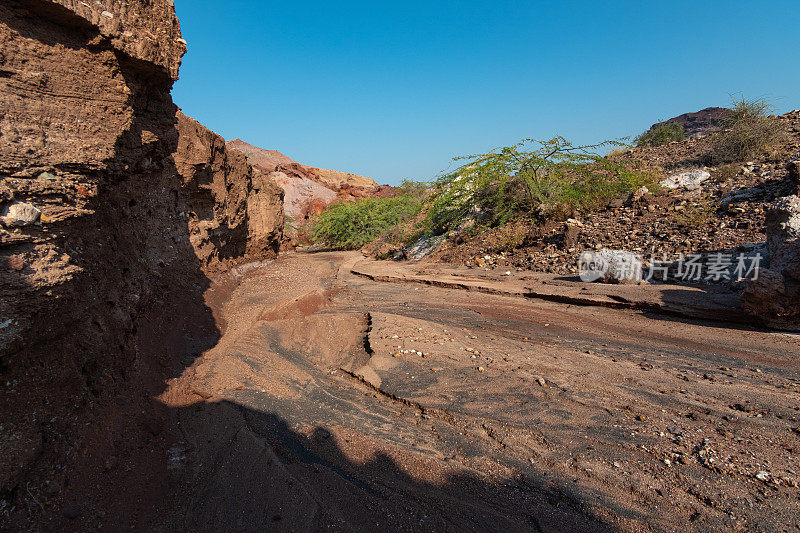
701	122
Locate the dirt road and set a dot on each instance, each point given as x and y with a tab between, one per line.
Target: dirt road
332	401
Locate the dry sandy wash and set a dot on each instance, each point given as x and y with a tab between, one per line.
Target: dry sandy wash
334	401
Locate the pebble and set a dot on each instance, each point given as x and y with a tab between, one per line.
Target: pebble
762	475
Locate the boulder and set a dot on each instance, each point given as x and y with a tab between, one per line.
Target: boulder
689	180
610	266
20	214
774	296
424	246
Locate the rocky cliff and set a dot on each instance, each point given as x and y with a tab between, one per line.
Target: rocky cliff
112	204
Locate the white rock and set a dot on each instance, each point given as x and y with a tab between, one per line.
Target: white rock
610	266
689	180
20	214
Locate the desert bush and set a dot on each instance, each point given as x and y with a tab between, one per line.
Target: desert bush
349	226
725	173
661	134
527	178
748	132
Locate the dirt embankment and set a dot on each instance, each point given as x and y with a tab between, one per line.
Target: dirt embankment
115	207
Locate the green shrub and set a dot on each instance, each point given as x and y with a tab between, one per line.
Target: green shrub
531	176
749	132
661	134
349	226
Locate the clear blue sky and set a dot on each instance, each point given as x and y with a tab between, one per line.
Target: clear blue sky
395	90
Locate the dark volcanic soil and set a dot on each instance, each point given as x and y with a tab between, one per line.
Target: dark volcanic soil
330	401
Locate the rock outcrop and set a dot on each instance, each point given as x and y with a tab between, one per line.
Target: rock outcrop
774	297
308	190
232	209
113	205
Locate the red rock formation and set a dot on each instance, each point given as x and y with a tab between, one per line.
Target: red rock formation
309	190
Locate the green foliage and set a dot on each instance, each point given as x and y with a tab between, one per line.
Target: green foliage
416	189
661	134
349	226
749	132
545	176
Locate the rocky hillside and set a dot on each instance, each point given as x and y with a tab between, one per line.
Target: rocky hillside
308	190
743	207
114	207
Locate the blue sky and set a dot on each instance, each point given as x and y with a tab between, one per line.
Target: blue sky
395	90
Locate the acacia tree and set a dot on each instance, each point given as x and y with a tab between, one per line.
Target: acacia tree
517	179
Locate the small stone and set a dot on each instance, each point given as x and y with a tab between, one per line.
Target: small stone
541	382
107	14
667	462
20	214
617	464
481	369
762	475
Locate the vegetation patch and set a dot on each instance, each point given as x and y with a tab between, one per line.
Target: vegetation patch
661	134
749	132
351	225
542	179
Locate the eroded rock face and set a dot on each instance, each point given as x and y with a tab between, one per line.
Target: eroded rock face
112	203
145	30
774	297
232	209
